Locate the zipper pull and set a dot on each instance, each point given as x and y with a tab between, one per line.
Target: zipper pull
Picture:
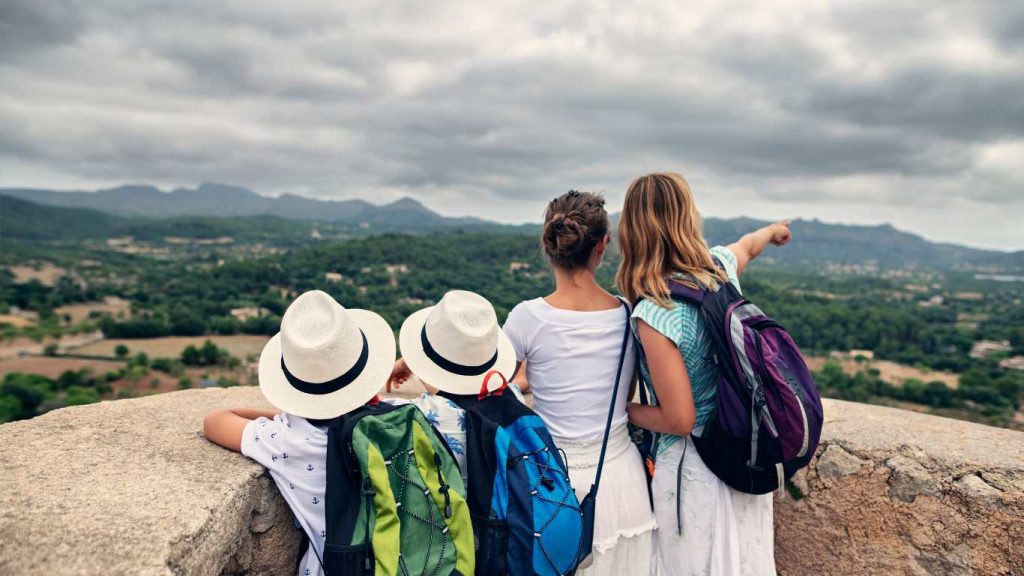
444	487
368	494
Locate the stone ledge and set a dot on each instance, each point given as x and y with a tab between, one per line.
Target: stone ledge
132	487
897	492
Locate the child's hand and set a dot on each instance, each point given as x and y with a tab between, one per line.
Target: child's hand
780	233
399	374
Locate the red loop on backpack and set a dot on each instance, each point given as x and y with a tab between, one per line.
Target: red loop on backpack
487	378
374	401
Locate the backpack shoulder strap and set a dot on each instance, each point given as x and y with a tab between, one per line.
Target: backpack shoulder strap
681	291
615	392
694	295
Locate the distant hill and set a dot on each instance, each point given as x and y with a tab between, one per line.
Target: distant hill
213	210
220	200
24	220
882	246
30	221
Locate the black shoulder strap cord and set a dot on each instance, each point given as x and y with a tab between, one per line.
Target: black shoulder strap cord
615	392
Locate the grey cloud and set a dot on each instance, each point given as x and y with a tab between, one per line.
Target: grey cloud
26	25
844	104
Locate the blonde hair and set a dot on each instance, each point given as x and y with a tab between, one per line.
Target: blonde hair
660	234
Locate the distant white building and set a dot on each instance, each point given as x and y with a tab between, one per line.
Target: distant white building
333	276
986	348
243	314
1014	363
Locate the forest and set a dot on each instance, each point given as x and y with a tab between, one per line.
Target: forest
194	291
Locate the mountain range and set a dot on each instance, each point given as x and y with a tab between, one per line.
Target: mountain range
212	210
225	201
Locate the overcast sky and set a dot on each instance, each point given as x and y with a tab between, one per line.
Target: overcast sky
872	112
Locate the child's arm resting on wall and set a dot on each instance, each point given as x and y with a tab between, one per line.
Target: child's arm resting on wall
225	427
751	245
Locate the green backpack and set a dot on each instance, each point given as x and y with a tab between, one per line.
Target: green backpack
396	502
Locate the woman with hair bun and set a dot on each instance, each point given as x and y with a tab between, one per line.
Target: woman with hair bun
569	343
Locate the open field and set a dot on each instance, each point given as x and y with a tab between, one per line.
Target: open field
46	273
19	320
240	345
116	307
14	347
54	367
890	372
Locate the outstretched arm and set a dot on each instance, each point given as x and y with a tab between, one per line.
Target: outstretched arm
225	427
675	412
751	245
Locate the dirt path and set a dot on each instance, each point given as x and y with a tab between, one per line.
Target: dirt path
890	372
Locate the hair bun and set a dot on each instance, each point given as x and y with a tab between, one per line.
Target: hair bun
575	222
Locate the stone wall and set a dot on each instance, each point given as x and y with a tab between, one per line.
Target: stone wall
132	487
896	492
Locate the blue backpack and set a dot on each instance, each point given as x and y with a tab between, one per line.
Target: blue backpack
526	516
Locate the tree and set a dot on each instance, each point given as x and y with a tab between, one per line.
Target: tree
76	396
121	351
140	359
184	383
30	390
10	409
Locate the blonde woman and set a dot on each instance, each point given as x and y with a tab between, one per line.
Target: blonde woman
704	526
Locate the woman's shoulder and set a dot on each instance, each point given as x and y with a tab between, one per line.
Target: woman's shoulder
525	311
728	259
652	312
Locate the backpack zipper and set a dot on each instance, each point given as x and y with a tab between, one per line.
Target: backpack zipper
368	494
444	487
803	413
807	435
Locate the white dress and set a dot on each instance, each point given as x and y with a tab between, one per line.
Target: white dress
571	360
724	532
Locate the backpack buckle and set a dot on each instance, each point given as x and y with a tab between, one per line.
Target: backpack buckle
368	490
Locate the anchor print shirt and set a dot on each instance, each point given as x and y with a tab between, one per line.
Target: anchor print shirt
294	451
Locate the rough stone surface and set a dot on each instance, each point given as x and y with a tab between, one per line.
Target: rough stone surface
909	478
896	492
835	462
132	487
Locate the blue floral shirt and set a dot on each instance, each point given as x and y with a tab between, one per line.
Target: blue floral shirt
450	420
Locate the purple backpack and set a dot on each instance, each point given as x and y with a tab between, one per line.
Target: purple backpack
768	417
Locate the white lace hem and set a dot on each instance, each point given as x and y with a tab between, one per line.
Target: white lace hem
606	545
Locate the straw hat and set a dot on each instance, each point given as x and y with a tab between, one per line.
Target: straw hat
454	344
326	360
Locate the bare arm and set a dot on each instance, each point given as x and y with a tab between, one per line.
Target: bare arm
675	412
751	245
225	427
519	377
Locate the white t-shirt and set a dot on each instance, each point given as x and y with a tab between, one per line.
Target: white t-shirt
571	358
294	451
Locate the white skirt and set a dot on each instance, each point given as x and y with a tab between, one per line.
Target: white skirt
723	533
624	525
